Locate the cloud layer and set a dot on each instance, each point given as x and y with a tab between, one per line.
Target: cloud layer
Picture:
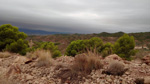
77	16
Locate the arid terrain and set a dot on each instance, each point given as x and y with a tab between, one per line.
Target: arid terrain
16	69
104	58
75	42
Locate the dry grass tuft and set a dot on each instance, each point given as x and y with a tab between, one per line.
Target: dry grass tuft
115	68
82	66
43	57
5	54
85	63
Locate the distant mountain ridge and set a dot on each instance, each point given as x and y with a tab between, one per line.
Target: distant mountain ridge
39	32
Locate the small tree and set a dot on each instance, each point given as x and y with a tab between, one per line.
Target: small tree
124	46
13	39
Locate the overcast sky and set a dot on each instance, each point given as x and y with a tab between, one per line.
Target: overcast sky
77	16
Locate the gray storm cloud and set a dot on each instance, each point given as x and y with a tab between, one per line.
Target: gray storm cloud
77	16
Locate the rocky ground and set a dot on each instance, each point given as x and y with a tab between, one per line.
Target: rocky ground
21	70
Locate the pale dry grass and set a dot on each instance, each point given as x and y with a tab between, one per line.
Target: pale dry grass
82	66
44	58
5	54
87	62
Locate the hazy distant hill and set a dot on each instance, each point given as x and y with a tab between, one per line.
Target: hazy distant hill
39	32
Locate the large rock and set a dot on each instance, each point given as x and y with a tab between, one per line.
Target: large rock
146	59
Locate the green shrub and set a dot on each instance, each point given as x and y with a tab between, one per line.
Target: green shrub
124	47
81	46
48	46
56	53
107	49
12	40
20	47
75	47
94	43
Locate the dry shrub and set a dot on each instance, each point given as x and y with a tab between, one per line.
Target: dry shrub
85	63
82	66
115	68
43	58
5	54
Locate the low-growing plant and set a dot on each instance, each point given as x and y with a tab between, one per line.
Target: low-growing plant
115	68
85	63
